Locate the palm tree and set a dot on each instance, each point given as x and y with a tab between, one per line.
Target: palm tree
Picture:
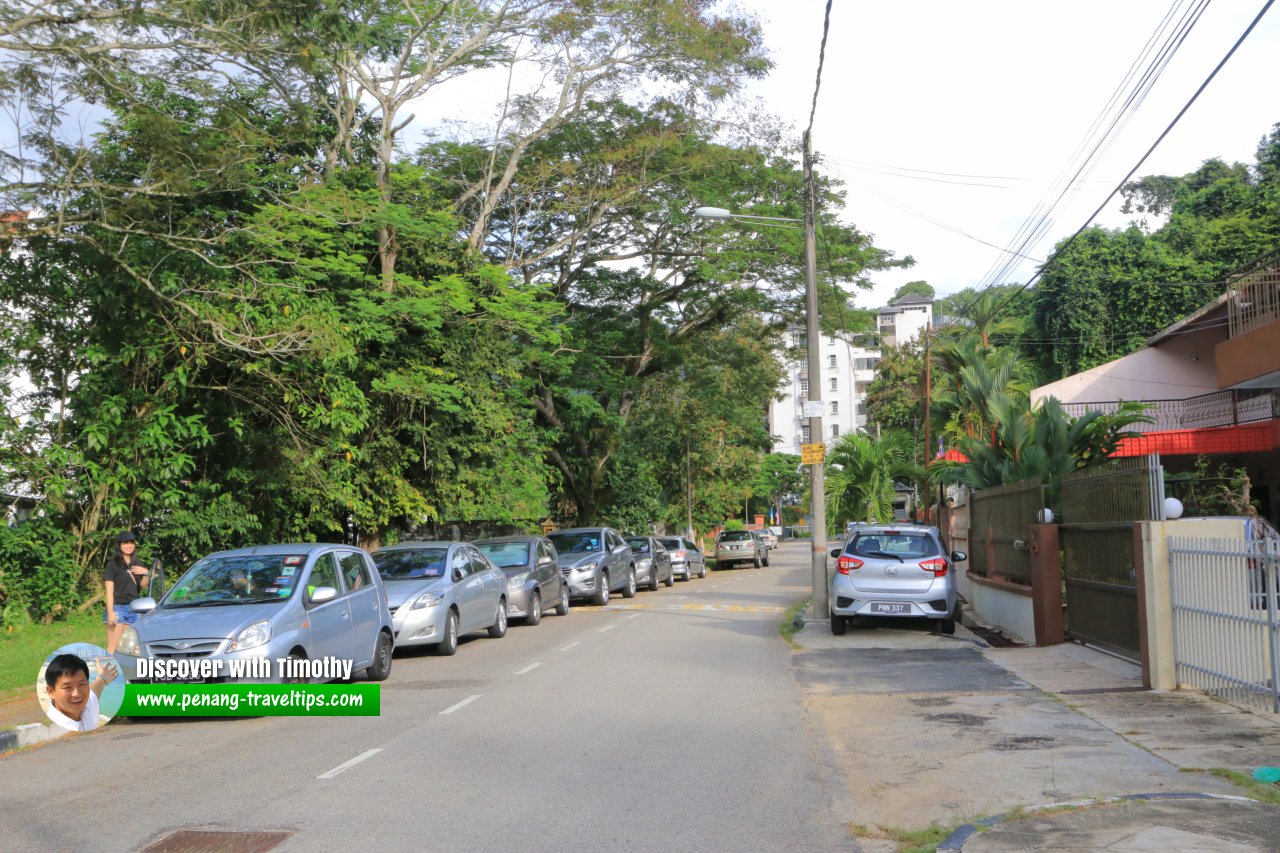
861	471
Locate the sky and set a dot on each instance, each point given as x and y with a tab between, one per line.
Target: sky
1006	90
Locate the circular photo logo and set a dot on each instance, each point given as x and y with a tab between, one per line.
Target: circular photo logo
80	687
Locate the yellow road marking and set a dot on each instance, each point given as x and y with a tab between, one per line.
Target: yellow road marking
727	608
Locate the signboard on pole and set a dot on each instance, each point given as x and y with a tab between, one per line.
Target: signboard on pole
813	409
813	454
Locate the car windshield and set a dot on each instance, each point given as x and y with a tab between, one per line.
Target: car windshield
576	543
901	544
506	555
736	536
411	563
237	580
639	546
671	543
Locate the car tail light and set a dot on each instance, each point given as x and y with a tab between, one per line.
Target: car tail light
845	564
937	566
677	555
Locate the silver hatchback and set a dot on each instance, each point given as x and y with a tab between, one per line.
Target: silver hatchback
898	570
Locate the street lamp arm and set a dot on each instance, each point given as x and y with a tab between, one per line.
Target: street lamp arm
721	213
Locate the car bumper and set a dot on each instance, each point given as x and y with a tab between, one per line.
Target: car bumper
933	604
221	660
582	586
420	627
679	568
519	601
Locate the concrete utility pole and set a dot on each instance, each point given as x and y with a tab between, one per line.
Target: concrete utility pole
817	473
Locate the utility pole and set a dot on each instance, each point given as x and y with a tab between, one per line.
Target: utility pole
817	473
688	486
928	396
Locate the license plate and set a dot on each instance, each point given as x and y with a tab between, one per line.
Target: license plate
894	609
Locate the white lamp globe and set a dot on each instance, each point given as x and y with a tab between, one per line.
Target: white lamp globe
1045	516
1172	509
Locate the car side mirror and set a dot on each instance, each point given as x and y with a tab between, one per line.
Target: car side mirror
323	594
457	575
142	605
959	556
835	552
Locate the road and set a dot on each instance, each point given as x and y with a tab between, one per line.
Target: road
668	722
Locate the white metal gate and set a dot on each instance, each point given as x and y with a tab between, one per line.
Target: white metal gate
1226	617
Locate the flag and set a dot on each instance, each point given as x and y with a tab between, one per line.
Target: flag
941	452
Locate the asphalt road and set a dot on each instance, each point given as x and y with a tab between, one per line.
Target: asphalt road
667	722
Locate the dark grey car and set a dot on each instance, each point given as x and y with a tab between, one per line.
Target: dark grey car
595	561
653	562
686	560
533	575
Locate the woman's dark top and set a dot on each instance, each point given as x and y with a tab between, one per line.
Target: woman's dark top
126	583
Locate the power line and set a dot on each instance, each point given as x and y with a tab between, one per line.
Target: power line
822	55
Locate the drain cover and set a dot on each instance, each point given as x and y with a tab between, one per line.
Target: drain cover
207	841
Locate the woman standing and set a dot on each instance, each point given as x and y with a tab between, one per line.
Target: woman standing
125	578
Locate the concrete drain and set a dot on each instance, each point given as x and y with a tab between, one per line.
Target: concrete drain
1025	742
210	841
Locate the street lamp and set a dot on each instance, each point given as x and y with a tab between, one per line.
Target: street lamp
814	408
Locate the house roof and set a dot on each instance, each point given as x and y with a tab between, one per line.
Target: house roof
1195	318
914	299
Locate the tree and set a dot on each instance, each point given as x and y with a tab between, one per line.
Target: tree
916	288
780	476
860	475
895	399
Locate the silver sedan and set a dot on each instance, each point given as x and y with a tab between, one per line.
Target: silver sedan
653	562
533	575
439	591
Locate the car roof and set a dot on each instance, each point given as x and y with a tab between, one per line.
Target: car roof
578	530
281	548
495	540
404	546
896	528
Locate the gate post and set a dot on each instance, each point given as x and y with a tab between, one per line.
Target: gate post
1046	584
1155	605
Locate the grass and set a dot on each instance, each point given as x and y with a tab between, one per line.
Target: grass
909	840
789	627
23	649
1255	790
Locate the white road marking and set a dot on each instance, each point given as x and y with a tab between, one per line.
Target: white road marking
530	668
633	616
682	596
606	628
571	645
461	704
347	765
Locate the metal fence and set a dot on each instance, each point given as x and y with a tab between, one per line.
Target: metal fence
1003	514
1218	409
1256	300
1226	617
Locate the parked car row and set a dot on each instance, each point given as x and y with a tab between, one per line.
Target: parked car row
318	601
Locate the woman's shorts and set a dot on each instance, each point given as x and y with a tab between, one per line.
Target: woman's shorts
124	615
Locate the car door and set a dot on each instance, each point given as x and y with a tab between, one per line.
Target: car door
694	556
364	602
548	574
329	621
493	581
619	558
468	589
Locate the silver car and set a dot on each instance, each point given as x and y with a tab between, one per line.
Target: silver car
533	575
686	559
440	591
271	602
595	561
653	562
894	570
740	546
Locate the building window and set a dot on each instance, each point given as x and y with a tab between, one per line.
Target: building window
865	363
804	433
835	407
862	408
835	430
832	361
831	340
834	387
804	387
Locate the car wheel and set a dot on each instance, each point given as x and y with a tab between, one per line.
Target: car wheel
498	629
756	562
838	625
294	656
381	666
671	579
654	583
629	591
562	606
766	558
947	626
602	594
703	573
449	645
535	609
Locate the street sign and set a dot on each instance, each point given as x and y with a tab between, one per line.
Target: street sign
813	409
813	454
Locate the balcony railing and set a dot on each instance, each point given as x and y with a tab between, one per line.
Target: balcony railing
1257	296
1219	409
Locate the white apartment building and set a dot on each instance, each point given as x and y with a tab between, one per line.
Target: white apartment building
905	320
847	372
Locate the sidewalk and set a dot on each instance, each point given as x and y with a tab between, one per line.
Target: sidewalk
948	734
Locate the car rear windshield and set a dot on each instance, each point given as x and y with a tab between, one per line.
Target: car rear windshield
506	555
576	543
672	543
736	536
896	543
237	580
639	546
411	563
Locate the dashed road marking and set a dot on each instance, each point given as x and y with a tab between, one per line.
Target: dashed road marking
633	616
571	645
530	668
347	765
461	704
606	628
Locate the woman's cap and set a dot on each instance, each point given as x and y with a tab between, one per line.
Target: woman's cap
126	536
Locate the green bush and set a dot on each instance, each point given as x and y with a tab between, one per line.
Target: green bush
39	576
734	524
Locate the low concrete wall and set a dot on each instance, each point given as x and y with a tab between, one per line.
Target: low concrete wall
1006	606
